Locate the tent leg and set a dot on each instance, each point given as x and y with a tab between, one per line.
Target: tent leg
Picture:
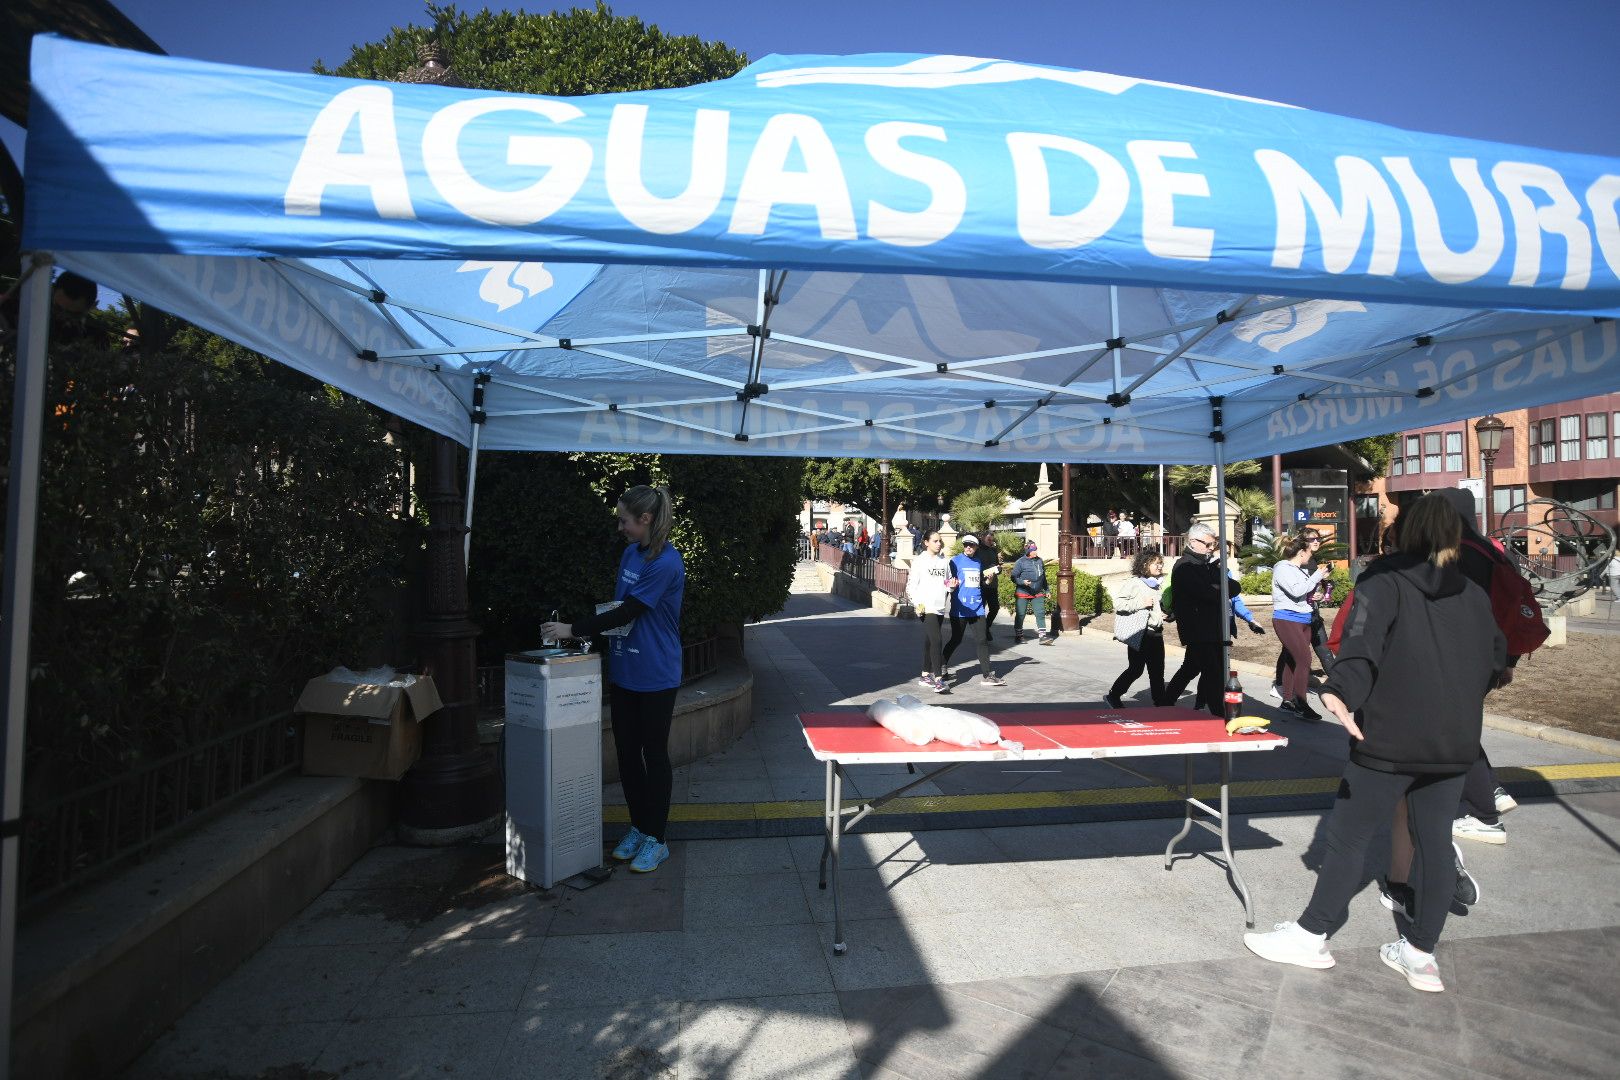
472	482
22	520
1220	518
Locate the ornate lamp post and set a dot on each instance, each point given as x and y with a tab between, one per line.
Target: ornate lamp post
883	545
1489	430
454	790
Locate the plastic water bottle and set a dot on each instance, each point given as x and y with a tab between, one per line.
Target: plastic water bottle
1234	695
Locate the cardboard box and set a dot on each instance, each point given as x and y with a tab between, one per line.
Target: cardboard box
370	730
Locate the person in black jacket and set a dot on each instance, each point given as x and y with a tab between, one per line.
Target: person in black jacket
1416	660
1203	622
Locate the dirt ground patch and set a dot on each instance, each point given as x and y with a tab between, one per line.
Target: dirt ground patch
1574	686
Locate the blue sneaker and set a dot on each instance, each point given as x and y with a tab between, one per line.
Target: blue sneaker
629	845
652	853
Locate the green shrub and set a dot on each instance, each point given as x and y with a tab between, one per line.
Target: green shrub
1257	583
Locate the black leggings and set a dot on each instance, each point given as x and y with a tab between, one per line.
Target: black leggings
1150	656
981	639
1365	802
1203	662
641	720
1479	791
931	660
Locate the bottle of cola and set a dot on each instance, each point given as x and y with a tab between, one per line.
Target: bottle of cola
1234	695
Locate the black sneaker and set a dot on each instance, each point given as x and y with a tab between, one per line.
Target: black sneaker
1018	637
1113	701
1466	891
1303	708
1048	639
1397	897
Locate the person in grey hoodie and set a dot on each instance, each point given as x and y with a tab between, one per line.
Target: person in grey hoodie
1029	589
1417	658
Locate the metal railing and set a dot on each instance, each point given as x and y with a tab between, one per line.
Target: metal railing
71	839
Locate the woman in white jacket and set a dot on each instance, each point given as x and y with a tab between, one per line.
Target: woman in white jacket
928	586
1139	624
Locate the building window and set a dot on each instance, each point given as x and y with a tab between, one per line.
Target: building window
1614	432
1569	438
1545	450
1504	456
1395	464
1586	494
1504	499
1431	451
1453	451
1411	455
1597	435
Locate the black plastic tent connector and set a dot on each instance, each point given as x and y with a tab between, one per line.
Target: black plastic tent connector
1278	369
1107	420
1425	392
368	355
565	343
1222	316
1304	397
868	423
992	442
1116	343
755	330
752	390
741	436
942	368
1119	401
1423	341
1217	436
990	403
612	407
378	296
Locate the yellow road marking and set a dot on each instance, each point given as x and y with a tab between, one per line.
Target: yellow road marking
1038	800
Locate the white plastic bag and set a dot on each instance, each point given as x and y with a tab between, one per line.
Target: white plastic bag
955	726
903	722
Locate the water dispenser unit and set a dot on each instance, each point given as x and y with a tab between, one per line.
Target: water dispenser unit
553	764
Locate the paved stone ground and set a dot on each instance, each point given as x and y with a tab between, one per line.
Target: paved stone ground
1029	951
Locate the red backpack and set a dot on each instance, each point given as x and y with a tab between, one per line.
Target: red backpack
1513	606
1513	603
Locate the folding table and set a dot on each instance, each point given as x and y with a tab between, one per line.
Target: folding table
843	739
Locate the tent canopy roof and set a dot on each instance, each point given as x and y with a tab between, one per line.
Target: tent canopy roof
886	255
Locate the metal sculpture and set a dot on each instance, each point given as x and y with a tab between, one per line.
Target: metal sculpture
1563	551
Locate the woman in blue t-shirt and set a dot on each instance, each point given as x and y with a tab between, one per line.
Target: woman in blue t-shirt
643	629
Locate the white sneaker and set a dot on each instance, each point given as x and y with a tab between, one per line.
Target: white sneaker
1505	802
1469	827
1276	691
1289	944
1420	969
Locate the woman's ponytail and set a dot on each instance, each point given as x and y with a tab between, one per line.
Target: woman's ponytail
657	503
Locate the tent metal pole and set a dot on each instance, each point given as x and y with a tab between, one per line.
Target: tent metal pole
22	522
1218	436
478	416
1161	509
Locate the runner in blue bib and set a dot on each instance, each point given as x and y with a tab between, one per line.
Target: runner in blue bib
967	583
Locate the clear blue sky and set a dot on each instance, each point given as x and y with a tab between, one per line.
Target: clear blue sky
1541	74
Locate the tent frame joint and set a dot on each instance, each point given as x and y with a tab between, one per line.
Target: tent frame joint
758	330
1118	401
368	355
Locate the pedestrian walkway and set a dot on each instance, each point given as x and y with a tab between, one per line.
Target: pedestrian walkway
982	949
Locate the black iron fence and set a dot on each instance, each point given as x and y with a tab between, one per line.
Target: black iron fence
71	839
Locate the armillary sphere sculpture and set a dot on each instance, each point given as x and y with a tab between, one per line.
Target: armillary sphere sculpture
1563	551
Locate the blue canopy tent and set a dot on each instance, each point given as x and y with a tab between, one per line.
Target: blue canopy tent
876	256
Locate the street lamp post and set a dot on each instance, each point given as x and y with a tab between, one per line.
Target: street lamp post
1489	431
883	545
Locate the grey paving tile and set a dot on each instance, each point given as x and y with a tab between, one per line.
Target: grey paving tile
951	888
628	903
389	1048
897	952
1511	1043
1039	843
523	917
588	1043
453	977
724	791
1220	1038
862	849
395	866
1366	999
745	900
606	969
1294	1046
1059	1000
302	982
193	1049
800	1036
1570	976
754	961
755	855
358	917
1098	1061
921	1032
1236	980
863	894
